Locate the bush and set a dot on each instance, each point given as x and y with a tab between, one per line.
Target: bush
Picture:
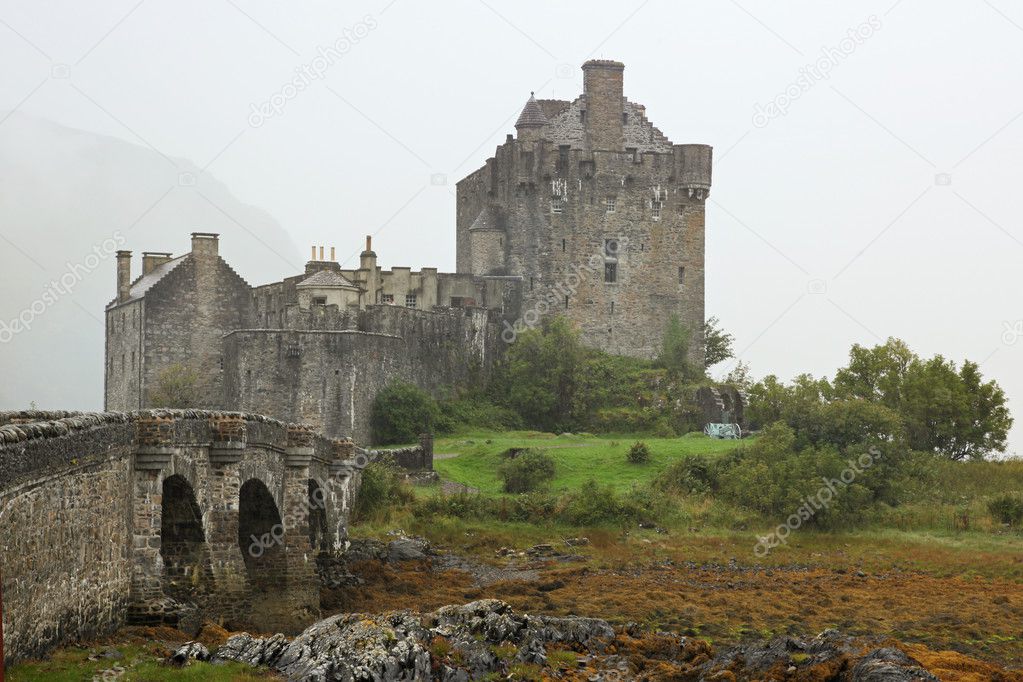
527	472
176	386
463	413
690	475
1007	509
639	453
401	412
383	489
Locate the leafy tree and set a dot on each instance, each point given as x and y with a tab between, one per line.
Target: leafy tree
674	353
877	373
401	412
176	386
717	342
542	376
740	376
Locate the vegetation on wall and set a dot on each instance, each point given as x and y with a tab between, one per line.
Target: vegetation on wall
176	386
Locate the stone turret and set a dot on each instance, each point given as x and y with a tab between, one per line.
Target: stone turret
530	121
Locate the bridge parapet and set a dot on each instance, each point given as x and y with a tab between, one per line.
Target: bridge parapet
164	516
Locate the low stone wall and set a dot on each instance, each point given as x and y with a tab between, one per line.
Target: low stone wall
78	504
413	458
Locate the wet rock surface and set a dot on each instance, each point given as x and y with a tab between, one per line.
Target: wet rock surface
488	639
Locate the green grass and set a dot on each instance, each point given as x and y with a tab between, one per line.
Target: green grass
136	664
578	457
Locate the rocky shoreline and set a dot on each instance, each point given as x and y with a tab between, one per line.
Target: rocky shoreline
487	639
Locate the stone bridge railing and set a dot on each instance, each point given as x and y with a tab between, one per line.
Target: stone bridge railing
169	516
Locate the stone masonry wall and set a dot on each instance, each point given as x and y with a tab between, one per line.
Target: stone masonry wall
82	509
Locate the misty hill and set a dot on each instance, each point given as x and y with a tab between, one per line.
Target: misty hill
68	198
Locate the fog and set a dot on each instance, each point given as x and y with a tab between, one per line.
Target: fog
867	155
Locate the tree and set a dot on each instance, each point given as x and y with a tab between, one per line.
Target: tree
953	412
401	412
717	342
674	353
542	376
176	386
877	373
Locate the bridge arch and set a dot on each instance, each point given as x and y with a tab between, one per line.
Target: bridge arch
320	540
187	572
261	536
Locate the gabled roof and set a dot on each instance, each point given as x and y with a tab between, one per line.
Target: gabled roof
326	279
144	283
532	114
487	219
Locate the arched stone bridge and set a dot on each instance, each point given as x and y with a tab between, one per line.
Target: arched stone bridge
164	516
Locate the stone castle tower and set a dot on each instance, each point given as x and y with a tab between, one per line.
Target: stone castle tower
600	215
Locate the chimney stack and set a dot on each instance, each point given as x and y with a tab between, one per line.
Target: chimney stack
605	104
123	276
205	244
152	260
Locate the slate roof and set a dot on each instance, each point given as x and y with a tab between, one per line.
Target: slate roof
532	114
144	283
326	278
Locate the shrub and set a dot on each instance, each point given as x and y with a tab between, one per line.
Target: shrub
1007	509
529	471
401	412
690	475
383	488
639	453
461	413
594	504
177	386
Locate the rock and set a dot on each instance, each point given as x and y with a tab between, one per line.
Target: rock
542	550
890	665
407	549
577	542
189	651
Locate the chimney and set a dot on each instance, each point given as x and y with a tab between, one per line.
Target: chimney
152	260
205	243
332	257
368	263
123	276
605	104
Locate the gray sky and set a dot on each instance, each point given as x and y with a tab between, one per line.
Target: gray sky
882	202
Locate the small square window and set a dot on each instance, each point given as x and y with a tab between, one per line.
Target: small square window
410	301
610	272
319	300
681	274
388	298
610	204
556	204
655	209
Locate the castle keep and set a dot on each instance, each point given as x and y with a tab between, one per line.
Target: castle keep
600	215
589	211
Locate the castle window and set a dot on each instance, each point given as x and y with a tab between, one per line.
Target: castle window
681	209
566	301
610	204
681	274
655	209
625	117
530	283
582	115
611	272
612	307
457	302
611	248
387	298
562	246
319	300
133	359
410	301
556	204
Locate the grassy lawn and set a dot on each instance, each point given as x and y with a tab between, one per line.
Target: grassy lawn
578	457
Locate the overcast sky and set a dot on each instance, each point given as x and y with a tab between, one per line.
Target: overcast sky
867	155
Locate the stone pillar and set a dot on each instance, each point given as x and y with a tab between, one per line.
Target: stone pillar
227	447
426	443
153	455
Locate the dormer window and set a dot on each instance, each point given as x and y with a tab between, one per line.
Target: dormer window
319	300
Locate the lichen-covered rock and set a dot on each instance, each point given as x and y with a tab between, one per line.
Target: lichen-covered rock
890	665
189	651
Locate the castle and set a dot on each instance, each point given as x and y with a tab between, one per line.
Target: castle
588	212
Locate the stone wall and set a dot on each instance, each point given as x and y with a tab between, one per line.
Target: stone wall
87	499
